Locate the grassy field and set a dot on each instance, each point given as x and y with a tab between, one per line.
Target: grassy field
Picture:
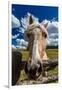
52	54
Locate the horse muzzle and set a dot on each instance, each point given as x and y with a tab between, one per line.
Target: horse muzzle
33	71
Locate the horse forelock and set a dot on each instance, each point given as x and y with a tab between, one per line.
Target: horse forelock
38	25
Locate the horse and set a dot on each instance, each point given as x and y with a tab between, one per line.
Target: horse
36	35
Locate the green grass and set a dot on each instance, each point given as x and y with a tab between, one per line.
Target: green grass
51	53
25	55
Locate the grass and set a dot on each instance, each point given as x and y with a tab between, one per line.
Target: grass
51	53
25	55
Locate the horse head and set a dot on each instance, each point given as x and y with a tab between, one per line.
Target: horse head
36	35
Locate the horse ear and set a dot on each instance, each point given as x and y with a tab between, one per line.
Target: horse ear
31	19
46	25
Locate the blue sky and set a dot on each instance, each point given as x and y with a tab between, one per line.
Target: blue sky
42	12
47	13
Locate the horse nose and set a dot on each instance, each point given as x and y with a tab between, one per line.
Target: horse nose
33	71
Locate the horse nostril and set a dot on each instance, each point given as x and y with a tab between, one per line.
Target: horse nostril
33	71
40	69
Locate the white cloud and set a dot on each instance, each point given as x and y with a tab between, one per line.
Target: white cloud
20	47
54	23
45	21
53	35
21	30
51	23
15	36
15	22
52	41
21	43
13	47
52	31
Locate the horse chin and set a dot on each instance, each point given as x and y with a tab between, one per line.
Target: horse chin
33	71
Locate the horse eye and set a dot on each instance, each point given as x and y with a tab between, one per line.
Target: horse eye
44	35
28	35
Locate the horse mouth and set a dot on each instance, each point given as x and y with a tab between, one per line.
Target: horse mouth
33	73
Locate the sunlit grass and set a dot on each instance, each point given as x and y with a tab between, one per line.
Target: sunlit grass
51	53
25	55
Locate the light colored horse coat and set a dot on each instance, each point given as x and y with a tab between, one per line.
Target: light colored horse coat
37	38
